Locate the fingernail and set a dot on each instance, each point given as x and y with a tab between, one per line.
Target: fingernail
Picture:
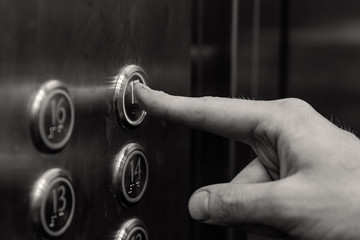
139	84
198	206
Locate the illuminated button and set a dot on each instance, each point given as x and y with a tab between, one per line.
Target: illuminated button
133	229
128	112
52	117
53	202
130	174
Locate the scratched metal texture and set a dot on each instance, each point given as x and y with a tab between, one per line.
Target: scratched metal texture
84	44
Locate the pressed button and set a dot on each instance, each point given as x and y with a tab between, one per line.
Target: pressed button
52	117
130	174
53	202
133	229
128	112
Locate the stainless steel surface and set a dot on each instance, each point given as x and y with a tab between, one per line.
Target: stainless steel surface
42	196
128	112
84	44
131	193
52	121
133	229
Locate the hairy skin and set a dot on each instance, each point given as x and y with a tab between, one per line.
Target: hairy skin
305	181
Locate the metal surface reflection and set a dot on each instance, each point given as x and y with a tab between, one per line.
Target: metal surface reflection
84	44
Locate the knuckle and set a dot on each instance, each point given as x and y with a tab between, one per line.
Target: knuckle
228	205
293	111
294	105
281	113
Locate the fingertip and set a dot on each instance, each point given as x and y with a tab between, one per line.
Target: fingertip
139	85
199	206
141	91
150	100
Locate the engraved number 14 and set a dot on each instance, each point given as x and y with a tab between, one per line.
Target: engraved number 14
135	172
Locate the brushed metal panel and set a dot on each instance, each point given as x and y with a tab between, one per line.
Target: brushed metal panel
84	44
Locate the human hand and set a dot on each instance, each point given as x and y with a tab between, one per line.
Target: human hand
305	180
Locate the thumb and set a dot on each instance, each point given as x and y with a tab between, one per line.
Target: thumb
231	204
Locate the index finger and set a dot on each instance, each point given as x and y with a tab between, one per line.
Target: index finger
232	118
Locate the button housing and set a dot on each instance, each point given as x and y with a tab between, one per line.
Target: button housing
131	173
128	112
133	229
52	117
53	202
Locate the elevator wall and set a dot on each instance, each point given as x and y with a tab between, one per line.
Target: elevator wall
84	44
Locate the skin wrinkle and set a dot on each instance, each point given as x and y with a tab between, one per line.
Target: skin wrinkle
267	149
268	156
224	197
269	166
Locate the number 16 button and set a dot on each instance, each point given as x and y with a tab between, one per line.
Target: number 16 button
52	117
130	175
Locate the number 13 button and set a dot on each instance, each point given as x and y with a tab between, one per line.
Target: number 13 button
52	117
53	202
130	175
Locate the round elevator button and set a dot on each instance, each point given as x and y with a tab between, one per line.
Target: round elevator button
130	174
53	202
128	112
52	117
133	229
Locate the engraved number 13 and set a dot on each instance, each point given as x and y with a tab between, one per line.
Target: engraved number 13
59	200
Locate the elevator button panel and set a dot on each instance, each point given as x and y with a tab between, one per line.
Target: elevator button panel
128	112
133	229
52	117
53	202
130	174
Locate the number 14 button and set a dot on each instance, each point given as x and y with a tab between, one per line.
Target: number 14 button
130	175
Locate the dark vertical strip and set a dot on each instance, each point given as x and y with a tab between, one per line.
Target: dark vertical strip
255	68
284	48
233	89
197	28
197	16
234	48
233	75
